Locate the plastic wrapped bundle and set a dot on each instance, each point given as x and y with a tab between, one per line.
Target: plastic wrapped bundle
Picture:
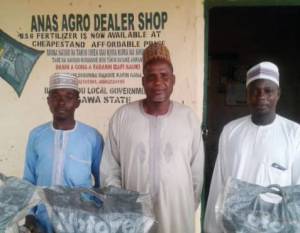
250	208
108	210
17	197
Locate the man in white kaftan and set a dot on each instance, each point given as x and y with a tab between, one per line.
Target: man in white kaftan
160	154
256	152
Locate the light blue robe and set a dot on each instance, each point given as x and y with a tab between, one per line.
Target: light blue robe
63	157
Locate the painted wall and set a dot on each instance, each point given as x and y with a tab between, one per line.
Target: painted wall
41	24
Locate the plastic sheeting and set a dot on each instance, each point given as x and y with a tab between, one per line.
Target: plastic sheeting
110	210
17	197
76	210
250	208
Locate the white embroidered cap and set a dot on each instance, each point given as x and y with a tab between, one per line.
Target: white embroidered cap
263	70
63	80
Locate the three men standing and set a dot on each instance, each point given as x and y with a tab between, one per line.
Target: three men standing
155	145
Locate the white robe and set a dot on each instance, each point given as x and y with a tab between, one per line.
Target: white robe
160	155
261	155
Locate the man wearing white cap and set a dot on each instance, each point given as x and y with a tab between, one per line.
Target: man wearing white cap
154	146
262	148
64	151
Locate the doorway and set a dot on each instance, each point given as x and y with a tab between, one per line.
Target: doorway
238	38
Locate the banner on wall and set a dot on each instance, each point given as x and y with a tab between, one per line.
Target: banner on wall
16	62
104	50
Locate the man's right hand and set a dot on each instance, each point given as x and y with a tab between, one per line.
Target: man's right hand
32	224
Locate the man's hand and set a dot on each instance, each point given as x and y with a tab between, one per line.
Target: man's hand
32	224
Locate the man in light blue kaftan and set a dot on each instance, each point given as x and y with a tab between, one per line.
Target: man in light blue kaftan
63	152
